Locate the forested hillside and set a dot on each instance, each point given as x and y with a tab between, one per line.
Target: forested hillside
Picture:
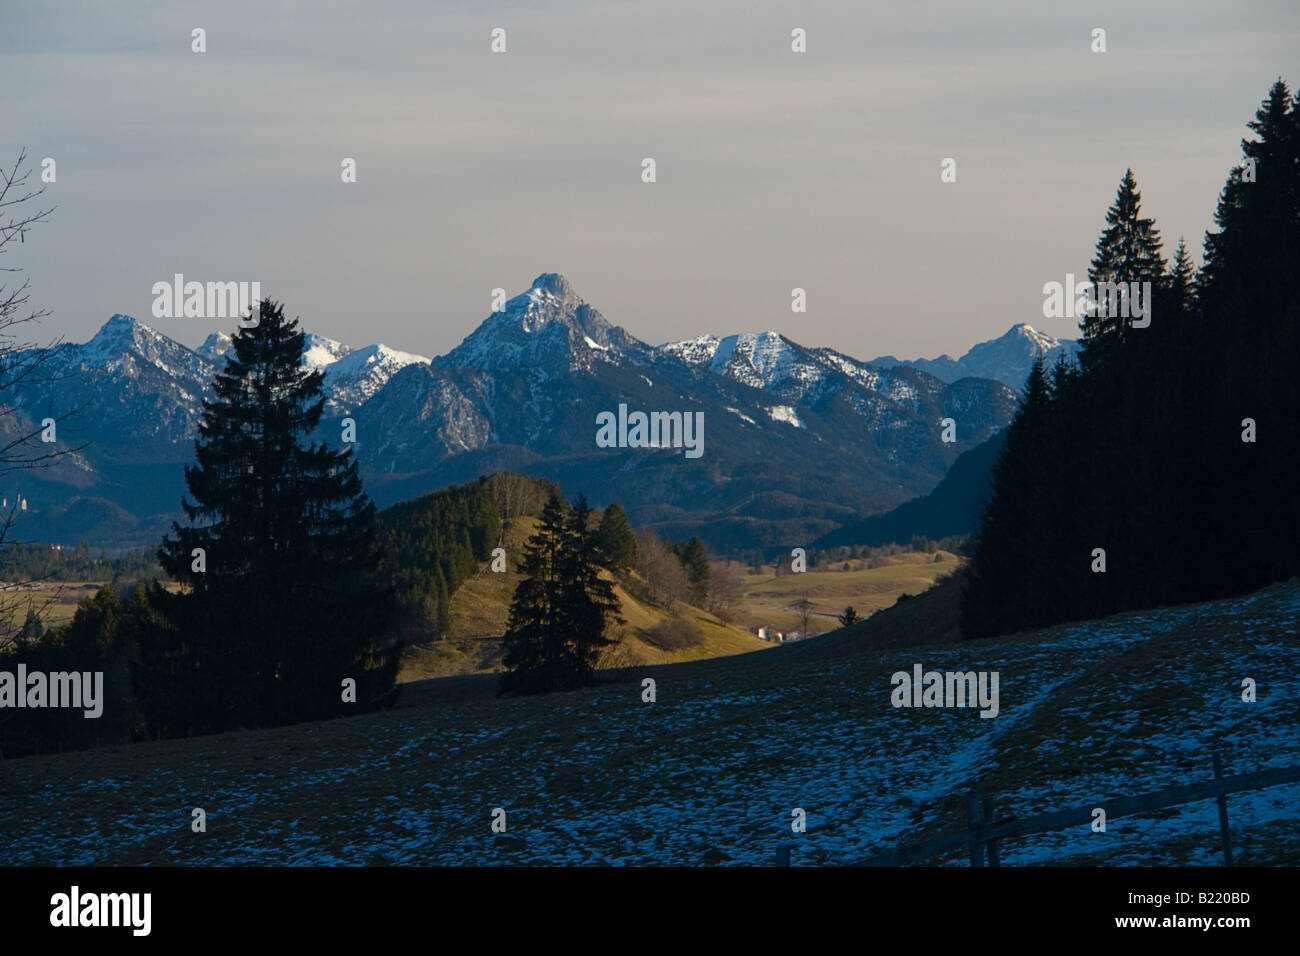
1162	469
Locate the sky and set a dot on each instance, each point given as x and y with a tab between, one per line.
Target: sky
477	170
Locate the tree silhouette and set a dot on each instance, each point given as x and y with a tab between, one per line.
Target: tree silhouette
1127	252
561	609
275	610
1172	449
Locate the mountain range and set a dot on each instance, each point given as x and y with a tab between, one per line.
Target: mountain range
1006	359
798	441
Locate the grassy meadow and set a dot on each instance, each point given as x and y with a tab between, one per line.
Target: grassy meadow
708	773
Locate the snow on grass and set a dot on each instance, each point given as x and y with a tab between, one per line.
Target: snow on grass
710	772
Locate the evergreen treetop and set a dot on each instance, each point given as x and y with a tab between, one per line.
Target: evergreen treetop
275	609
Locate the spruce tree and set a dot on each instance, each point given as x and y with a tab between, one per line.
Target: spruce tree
33	626
1151	457
615	540
275	610
1182	281
695	560
1002	588
1128	251
1250	338
589	598
533	641
562	607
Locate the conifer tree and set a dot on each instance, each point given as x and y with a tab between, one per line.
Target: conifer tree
1182	281
33	626
562	607
1249	338
590	599
695	560
1002	584
1150	456
1127	252
275	610
615	540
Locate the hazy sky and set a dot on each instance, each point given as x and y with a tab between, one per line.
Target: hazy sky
476	170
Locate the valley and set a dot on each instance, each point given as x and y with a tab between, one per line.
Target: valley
480	610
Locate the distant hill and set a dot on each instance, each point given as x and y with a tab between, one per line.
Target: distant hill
480	607
952	508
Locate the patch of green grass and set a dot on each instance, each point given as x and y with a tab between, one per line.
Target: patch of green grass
55	601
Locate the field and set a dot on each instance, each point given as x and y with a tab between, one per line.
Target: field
710	771
767	597
480	608
54	601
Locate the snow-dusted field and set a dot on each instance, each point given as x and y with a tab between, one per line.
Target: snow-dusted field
710	772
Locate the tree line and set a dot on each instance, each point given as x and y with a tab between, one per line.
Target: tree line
29	561
1162	467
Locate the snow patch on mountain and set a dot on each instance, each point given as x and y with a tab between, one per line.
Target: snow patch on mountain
122	336
784	413
320	352
360	373
216	345
696	351
352	375
758	359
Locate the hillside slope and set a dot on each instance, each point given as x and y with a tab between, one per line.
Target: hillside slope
952	508
480	609
709	773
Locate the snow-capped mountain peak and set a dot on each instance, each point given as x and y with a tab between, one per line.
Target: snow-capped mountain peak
360	373
1006	359
543	330
761	359
351	375
1028	333
320	352
215	345
119	334
552	284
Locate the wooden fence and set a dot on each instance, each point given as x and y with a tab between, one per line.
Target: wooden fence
985	832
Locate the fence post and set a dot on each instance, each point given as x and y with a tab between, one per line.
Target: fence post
1223	812
990	818
973	819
